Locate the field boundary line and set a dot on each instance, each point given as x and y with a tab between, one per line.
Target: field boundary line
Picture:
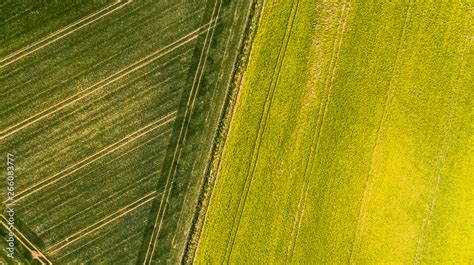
249	29
104	82
261	129
215	89
231	115
96	156
62	33
374	161
328	84
441	158
35	252
182	134
53	249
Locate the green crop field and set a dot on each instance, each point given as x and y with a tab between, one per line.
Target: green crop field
110	109
351	140
236	132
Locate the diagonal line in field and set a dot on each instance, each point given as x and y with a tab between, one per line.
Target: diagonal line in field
62	33
83	245
215	91
261	128
111	79
232	111
45	91
371	176
53	249
90	159
45	72
35	252
92	206
100	97
62	30
198	231
91	67
114	144
4	223
26	99
16	16
119	245
71	182
182	135
441	158
317	135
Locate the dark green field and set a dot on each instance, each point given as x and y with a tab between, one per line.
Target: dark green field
110	108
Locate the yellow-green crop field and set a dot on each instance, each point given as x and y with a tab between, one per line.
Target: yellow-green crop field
351	140
109	108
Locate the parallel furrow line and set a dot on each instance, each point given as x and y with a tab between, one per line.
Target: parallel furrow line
55	248
261	129
158	220
35	252
107	81
440	161
371	176
98	203
96	156
60	34
317	135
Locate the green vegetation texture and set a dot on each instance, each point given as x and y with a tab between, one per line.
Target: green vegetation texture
352	138
110	108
